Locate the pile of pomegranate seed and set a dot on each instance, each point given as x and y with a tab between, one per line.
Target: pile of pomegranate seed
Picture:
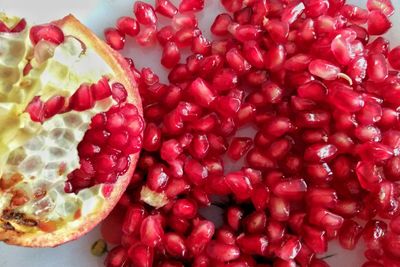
316	83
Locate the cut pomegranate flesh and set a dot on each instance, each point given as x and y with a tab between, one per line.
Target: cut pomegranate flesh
323	161
76	142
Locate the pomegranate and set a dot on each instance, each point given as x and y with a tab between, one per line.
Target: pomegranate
316	82
74	131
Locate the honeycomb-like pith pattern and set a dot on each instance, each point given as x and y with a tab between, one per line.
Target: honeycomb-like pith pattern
35	158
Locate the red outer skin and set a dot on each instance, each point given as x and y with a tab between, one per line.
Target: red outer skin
71	26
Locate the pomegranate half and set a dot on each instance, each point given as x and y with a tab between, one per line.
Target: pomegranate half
71	130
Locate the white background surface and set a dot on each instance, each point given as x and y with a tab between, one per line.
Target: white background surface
98	14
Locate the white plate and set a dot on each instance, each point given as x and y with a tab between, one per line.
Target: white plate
98	14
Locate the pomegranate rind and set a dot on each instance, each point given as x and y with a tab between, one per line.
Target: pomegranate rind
75	229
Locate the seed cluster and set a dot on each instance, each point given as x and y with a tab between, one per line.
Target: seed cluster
323	164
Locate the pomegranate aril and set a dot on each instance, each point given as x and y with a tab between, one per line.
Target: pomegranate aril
48	32
236	61
151	230
260	197
278	30
175	245
157	177
238	147
82	99
133	219
115	38
165	34
101	90
144	13
184	21
195	171
385	6
184	208
393	57
289	248
298	62
171	55
128	26
323	69
253	54
325	219
191	5
222	252
116	257
255	222
252	244
377	70
275	57
147	35
279	208
141	255
239	184
200	237
378	23
53	106
292	189
315	239
355	14
166	8
291	13
344	98
320	152
201	45
152	137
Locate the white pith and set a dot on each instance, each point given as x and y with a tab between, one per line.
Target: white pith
37	151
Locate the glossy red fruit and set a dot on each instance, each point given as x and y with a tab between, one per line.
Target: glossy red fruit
48	32
128	26
166	8
144	13
378	23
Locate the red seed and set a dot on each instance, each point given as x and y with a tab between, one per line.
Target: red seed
116	257
184	208
166	8
239	146
393	57
378	23
289	248
157	178
385	6
151	231
128	26
236	61
315	239
291	189
200	237
222	252
114	38
275	57
141	255
144	13
252	244
171	55
82	99
133	219
221	24
175	245
320	152
48	32
239	184
323	69
202	92
191	5
344	98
